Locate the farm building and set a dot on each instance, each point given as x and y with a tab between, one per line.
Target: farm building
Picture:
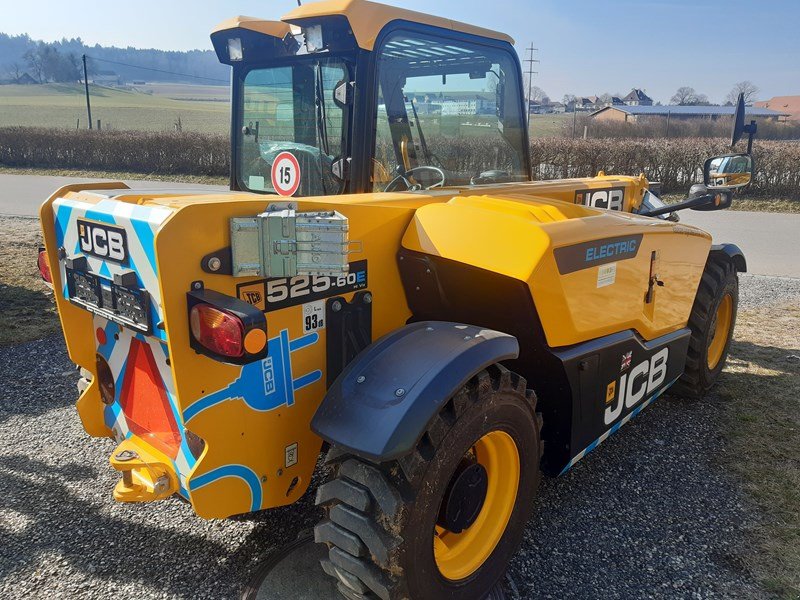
631	114
106	78
785	104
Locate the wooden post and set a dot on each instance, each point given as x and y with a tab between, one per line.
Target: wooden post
669	114
574	116
98	124
86	87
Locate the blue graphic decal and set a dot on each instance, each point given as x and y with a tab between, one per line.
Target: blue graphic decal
238	471
265	384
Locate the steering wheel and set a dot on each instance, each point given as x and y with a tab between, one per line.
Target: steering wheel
412	174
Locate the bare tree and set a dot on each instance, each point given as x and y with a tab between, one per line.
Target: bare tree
747	88
684	96
14	71
35	63
537	94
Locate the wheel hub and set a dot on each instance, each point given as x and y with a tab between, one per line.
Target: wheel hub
464	498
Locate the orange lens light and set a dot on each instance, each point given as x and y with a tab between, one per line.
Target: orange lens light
44	266
218	330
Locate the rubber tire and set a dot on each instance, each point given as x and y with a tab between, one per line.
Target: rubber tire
379	518
718	280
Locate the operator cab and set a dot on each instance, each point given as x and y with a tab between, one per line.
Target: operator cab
354	96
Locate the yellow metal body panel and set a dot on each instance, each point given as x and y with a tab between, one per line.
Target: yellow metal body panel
277	29
509	229
367	19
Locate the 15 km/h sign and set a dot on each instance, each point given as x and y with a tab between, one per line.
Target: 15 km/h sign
286	174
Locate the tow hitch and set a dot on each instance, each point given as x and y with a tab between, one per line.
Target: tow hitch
145	475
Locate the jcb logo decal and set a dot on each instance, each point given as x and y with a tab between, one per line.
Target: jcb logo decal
610	198
644	379
253	294
103	241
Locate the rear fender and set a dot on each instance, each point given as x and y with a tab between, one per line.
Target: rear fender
383	402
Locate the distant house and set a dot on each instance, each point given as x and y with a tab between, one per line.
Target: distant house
790	105
26	79
633	114
637	98
106	78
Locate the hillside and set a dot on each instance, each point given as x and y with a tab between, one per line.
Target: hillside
172	66
149	107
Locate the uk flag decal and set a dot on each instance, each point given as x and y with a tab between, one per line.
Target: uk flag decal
626	360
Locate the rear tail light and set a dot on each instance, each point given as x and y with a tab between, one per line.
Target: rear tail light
217	330
226	328
44	266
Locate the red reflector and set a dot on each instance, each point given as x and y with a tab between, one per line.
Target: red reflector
44	266
218	330
145	402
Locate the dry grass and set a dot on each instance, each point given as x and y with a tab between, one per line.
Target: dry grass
761	393
771	205
115	175
27	310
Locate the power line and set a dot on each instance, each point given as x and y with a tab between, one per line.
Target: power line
114	62
531	73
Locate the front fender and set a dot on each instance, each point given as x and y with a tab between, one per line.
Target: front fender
382	403
734	253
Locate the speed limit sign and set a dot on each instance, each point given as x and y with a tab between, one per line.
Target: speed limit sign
285	174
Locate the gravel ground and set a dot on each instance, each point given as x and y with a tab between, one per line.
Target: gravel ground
648	515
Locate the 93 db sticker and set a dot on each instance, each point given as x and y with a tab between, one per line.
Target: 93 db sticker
313	316
275	294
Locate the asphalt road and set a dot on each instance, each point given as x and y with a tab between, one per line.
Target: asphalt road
21	195
768	240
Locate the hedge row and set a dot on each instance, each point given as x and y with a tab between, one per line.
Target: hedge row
673	162
132	151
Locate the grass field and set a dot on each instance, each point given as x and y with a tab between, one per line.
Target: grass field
550	125
200	108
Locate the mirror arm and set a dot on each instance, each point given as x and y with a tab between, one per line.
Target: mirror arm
689	203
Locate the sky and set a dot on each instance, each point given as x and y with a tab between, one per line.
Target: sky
585	47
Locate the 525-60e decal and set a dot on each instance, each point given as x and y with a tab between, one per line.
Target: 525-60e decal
274	294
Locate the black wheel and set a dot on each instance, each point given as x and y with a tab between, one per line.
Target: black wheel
712	321
444	521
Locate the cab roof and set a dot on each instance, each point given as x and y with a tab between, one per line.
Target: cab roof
366	20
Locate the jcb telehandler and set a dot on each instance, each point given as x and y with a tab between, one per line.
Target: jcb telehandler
385	282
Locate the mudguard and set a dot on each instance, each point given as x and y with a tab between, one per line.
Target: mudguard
733	252
382	403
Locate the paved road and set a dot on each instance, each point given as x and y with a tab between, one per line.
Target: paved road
769	240
23	194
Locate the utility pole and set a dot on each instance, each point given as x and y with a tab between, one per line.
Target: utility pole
86	87
530	59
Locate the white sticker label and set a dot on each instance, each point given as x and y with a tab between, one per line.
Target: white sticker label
256	182
606	275
314	316
291	455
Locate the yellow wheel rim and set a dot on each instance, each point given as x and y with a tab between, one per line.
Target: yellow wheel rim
459	555
722	328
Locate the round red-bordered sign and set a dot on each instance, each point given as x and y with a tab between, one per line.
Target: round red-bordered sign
285	174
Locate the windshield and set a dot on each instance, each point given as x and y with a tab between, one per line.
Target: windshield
448	114
292	129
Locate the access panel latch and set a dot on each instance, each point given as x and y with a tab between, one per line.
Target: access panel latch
282	242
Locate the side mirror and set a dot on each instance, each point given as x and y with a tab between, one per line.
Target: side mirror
728	172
